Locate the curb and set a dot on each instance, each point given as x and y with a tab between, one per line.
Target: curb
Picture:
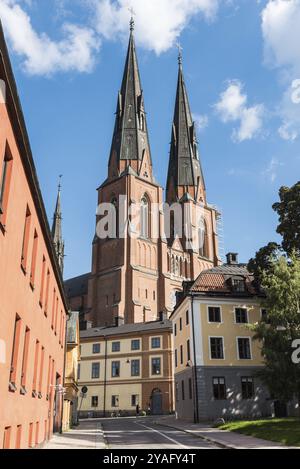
202	437
103	435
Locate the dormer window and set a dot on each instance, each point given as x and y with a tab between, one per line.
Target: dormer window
238	285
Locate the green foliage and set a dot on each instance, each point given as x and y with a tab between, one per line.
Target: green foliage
288	210
264	260
276	270
281	284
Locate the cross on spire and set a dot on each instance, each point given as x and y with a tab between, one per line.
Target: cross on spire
59	182
132	22
180	49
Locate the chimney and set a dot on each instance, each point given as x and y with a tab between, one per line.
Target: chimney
119	321
85	325
232	258
162	316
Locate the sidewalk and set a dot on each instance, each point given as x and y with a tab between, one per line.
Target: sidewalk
88	435
224	439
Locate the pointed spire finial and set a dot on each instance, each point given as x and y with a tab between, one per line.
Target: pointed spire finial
180	49
59	182
132	22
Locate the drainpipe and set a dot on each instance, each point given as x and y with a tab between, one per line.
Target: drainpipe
195	364
105	375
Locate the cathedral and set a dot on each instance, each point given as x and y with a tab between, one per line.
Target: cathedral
135	278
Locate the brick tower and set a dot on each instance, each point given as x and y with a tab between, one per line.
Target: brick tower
124	282
135	278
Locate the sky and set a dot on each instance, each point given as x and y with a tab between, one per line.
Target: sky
241	63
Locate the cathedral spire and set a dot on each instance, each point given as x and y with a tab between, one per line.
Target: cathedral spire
185	173
58	242
130	143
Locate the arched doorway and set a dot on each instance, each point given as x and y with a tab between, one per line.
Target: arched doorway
156	402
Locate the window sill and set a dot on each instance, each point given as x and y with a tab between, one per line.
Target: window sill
12	387
2	228
23	268
32	286
23	391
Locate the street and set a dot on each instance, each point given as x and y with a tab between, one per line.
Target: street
143	433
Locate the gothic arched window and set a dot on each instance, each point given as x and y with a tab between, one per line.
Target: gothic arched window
203	239
145	218
115	221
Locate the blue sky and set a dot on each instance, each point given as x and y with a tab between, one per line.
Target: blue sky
241	64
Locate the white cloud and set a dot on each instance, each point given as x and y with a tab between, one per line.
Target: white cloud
281	33
159	23
201	121
272	170
232	107
287	132
41	55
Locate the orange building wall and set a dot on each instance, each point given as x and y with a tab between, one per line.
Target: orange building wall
28	420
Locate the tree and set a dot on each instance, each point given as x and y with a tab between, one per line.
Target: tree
264	260
281	284
288	210
276	269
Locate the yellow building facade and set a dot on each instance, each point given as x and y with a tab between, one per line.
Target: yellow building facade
126	369
215	357
70	418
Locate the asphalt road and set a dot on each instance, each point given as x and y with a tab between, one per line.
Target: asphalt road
145	434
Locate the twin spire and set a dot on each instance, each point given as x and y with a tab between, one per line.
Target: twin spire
185	173
130	143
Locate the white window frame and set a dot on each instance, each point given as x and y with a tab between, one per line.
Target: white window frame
160	337
221	312
96	353
209	347
133	340
161	365
247	311
95	363
237	349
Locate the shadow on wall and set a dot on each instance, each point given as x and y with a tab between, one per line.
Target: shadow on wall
238	408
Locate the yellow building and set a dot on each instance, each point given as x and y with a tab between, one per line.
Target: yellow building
215	357
126	368
71	373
